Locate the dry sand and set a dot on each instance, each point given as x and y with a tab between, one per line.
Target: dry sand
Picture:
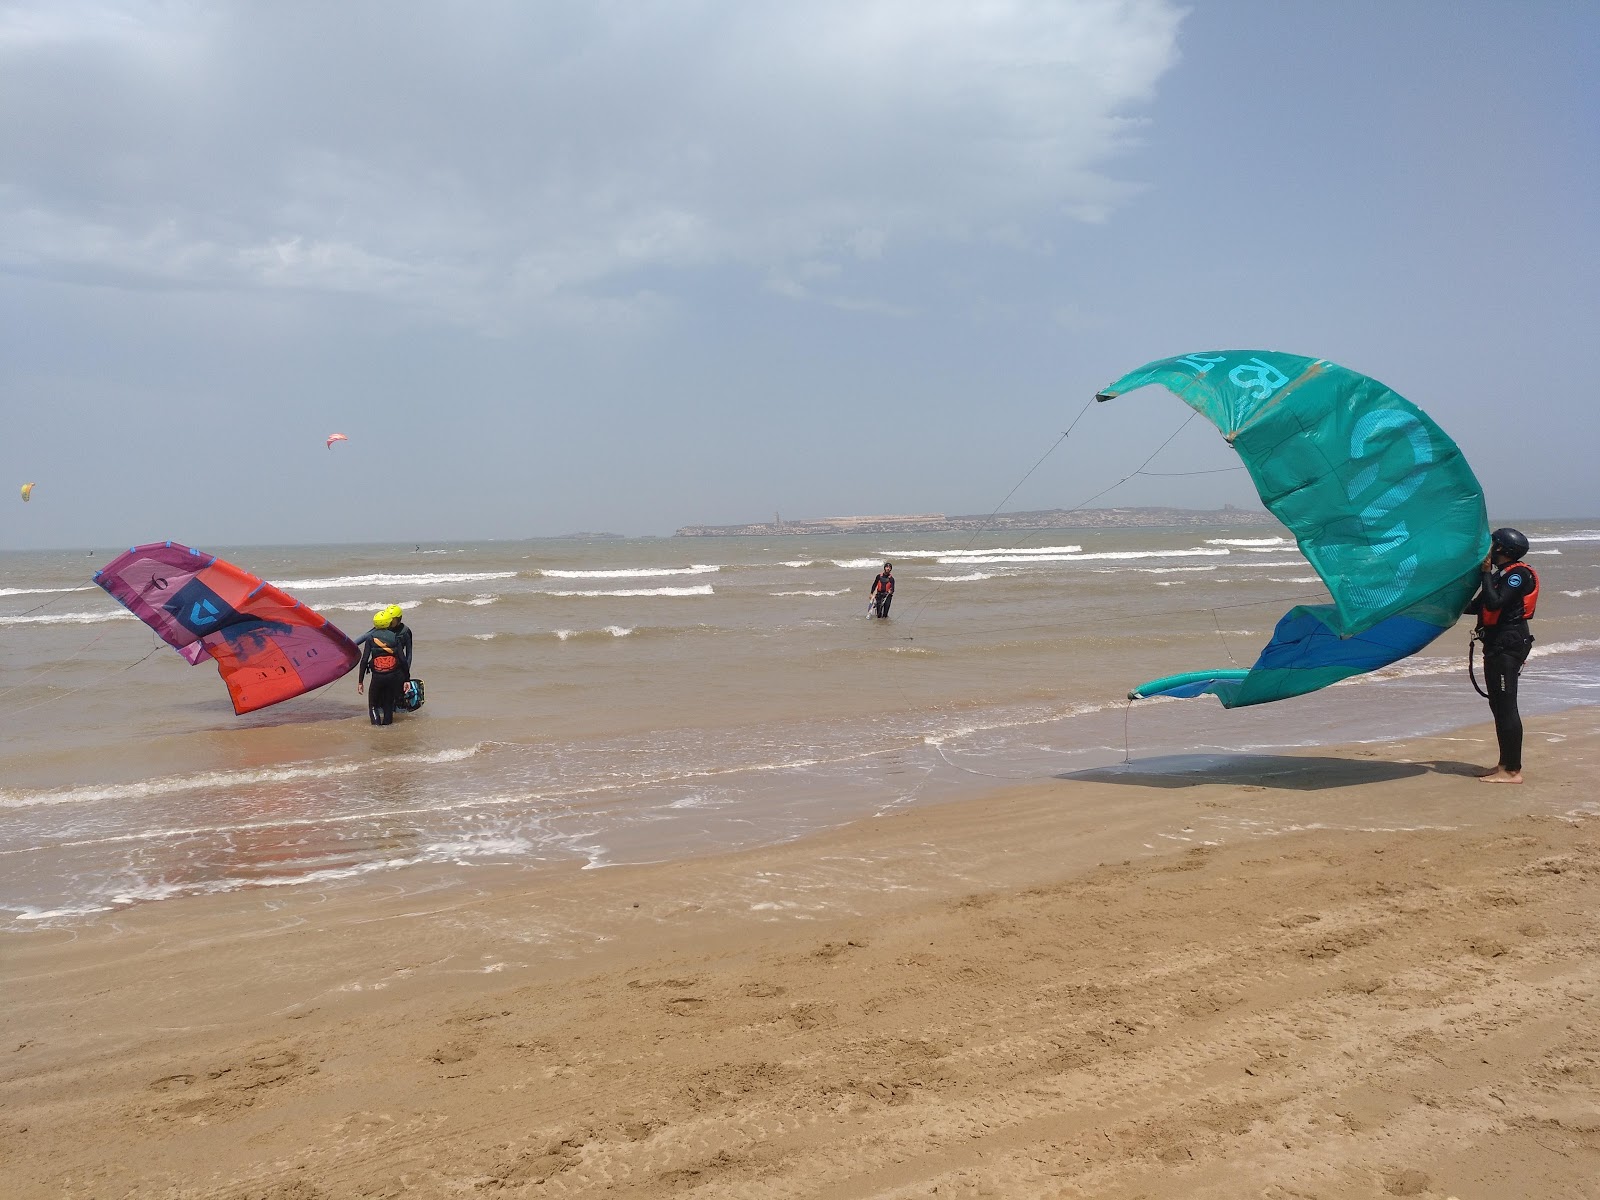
1353	974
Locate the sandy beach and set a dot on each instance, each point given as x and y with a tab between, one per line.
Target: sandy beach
1348	973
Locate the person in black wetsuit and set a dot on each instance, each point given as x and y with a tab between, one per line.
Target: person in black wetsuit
402	635
387	656
1507	595
882	592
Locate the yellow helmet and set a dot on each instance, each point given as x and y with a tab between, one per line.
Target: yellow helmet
393	614
380	619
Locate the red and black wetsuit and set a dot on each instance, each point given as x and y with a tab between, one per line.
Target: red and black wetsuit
882	593
1507	597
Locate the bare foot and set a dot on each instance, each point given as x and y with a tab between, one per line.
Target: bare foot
1501	776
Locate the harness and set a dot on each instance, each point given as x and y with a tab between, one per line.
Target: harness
385	658
883	584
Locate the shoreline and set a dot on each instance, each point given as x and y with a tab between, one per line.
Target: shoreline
1120	984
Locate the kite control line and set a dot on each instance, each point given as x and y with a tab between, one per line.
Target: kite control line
1472	650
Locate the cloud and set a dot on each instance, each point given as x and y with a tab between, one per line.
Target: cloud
555	160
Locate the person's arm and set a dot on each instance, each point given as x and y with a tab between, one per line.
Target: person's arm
405	646
1492	592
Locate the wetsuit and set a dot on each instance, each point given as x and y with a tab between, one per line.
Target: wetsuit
1505	600
882	594
381	655
402	633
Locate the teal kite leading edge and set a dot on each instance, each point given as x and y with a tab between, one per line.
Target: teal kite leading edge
1378	497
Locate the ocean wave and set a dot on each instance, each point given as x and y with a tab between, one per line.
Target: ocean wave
395	580
1168	570
1533	552
859	564
368	606
1413	668
800	562
976	575
226	779
1268	541
475	602
818	592
1583	535
1294	578
942	555
633	572
614	631
73	618
43	591
703	589
1582	592
1097	556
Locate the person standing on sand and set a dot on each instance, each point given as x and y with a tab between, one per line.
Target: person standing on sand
882	593
1507	596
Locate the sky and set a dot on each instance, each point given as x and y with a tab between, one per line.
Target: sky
622	265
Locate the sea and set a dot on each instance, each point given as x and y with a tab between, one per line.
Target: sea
608	701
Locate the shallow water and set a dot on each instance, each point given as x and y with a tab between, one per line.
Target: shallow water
631	700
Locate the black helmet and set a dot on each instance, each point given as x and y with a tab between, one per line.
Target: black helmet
1509	542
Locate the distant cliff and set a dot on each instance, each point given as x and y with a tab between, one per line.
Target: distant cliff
1053	518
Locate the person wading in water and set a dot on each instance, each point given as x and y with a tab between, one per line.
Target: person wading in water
882	592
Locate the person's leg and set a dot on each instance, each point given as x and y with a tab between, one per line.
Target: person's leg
1501	672
887	601
1494	684
385	692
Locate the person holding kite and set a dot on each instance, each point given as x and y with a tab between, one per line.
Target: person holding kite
1507	595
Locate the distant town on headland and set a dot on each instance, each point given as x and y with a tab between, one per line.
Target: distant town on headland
1050	518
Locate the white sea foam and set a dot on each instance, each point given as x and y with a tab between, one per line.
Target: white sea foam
633	572
42	591
1268	541
1582	592
859	564
397	580
620	631
72	618
703	589
976	575
167	785
483	637
1098	556
817	592
1584	535
799	562
1533	552
1294	578
1168	570
475	602
616	631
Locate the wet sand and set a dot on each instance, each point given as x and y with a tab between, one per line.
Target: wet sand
1350	973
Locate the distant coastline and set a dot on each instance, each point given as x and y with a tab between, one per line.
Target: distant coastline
1050	518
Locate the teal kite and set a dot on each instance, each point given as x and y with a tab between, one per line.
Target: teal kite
1378	497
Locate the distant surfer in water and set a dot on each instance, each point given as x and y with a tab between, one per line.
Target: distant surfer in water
386	654
883	590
